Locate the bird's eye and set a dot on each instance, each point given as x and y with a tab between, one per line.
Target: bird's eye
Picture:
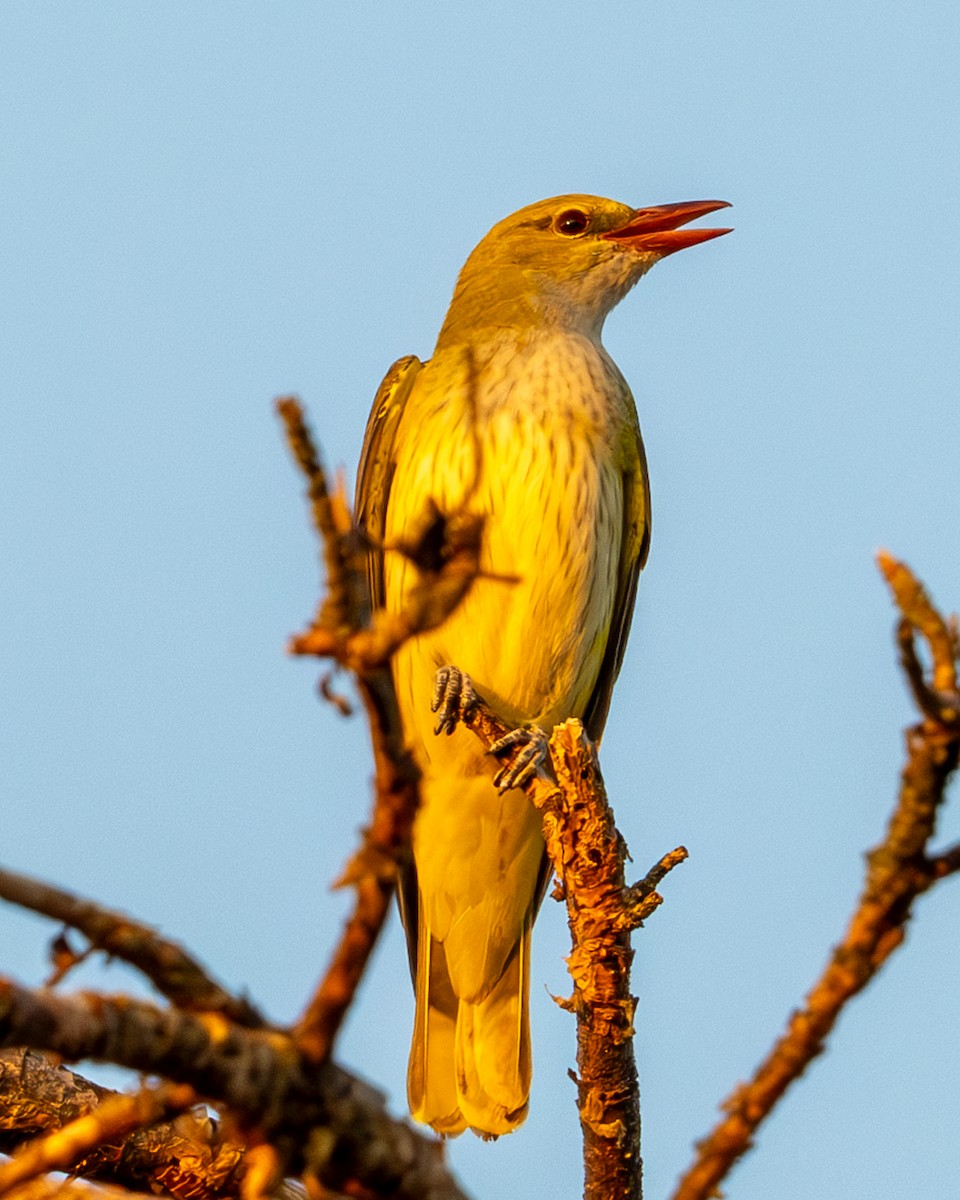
572	223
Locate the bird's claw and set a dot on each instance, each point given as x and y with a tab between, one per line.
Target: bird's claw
531	746
453	698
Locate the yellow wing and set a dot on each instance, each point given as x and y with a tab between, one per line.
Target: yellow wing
377	464
634	546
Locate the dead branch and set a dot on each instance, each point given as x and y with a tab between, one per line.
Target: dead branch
188	1157
898	871
65	1149
322	1121
290	1106
169	968
588	856
340	619
347	629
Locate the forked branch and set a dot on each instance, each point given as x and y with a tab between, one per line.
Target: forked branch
899	870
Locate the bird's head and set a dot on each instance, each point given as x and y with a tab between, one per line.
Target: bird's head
566	262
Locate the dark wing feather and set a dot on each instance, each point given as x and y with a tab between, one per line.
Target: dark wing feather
634	545
374	477
377	465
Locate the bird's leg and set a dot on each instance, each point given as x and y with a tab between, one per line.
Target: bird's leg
453	698
532	747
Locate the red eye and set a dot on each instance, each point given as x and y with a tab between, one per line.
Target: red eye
572	223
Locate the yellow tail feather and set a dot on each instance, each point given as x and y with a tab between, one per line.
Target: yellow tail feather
470	1062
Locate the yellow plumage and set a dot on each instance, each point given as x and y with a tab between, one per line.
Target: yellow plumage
522	417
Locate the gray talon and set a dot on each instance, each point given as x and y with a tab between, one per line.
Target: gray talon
453	697
531	751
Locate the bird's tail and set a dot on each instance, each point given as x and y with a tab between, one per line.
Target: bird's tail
470	1062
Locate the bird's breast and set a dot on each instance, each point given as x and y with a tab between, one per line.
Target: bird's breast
530	438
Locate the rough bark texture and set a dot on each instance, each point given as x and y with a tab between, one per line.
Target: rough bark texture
588	854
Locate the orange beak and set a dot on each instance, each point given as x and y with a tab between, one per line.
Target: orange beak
657	230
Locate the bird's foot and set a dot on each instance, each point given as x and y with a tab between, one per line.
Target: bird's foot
453	698
530	747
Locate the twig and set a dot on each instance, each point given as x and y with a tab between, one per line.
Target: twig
373	869
320	1119
347	629
917	610
898	871
172	971
946	863
342	554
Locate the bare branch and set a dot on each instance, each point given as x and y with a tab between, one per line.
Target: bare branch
65	1149
169	968
321	1120
917	609
588	854
373	869
947	862
343	617
186	1157
898	871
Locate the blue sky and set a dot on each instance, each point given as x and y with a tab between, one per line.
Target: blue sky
207	205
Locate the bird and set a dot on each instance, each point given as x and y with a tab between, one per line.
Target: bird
520	418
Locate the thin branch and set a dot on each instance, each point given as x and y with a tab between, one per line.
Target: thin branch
898	871
947	862
642	898
321	1120
373	869
172	971
347	629
916	608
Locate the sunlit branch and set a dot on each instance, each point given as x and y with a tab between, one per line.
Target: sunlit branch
173	972
898	871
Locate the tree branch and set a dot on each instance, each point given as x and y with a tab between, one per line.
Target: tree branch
347	629
321	1120
588	855
188	1157
372	871
169	968
65	1149
898	871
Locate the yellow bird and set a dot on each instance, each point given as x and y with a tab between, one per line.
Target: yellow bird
522	417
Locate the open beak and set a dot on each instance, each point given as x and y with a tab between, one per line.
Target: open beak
657	230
